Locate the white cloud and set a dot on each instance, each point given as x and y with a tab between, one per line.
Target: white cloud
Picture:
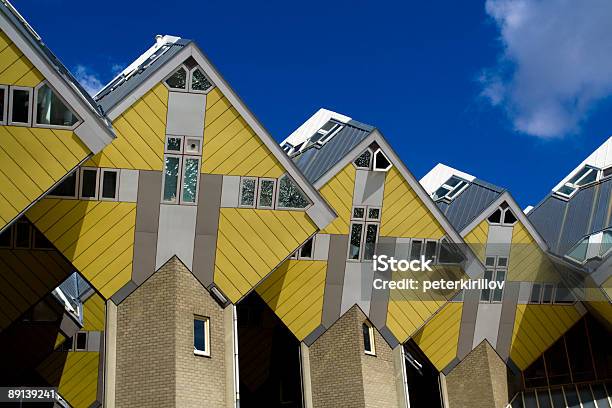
556	64
88	79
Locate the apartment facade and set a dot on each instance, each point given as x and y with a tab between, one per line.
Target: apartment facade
159	248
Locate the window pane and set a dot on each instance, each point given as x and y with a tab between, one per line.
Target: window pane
589	178
430	250
51	110
40	241
247	192
497	293
88	183
600	396
355	241
381	161
490	261
544	399
563	295
363	161
485	294
518	401
199	335
415	250
449	253
530	400
578	175
290	195
556	364
67	344
547	294
535	293
81	341
21	106
5	238
2	95
370	241
109	184
199	82
567	190
374	213
535	374
174	144
502	262
557	398
22	235
66	188
190	180
367	341
571	397
358	213
171	172
509	217
441	192
579	251
585	396
606	243
178	80
581	362
306	250
495	218
266	193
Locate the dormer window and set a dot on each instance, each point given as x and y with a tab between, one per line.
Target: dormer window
585	176
451	189
178	80
327	131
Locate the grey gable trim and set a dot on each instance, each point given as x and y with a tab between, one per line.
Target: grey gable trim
95	131
470	203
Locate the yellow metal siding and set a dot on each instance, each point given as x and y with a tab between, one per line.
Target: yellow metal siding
75	374
339	194
15	68
251	243
141	134
409	309
94	312
477	239
295	293
97	237
231	147
26	276
536	328
439	338
403	212
528	263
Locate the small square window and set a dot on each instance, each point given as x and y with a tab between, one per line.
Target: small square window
248	186
490	261
373	214
201	336
535	293
502	262
89	184
174	144
358	213
110	184
81	341
21	106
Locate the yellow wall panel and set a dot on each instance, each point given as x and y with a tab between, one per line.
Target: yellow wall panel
528	263
338	192
94	312
231	146
403	212
439	338
251	243
477	239
97	237
295	293
141	134
536	328
15	68
75	374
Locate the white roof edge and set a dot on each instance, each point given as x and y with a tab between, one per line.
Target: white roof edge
312	124
600	158
439	175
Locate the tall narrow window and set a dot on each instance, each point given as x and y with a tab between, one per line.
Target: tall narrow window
416	247
266	193
355	241
431	248
248	186
178	80
290	195
67	187
370	241
191	173
21	104
51	109
6	238
22	234
89	183
535	293
368	339
110	185
81	341
496	272
3	104
201	336
171	178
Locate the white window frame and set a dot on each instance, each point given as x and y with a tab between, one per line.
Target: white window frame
101	184
182	180
369	164
374	168
190	72
256	191
77	186
187	79
299	251
363	240
365	209
326	135
371	352
412	240
80	183
495	269
367	214
575	184
30	110
76	341
179	184
277	202
35	110
448	196
206	352
174	152
348	250
4	120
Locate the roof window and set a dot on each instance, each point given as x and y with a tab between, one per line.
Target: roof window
597	245
586	175
450	189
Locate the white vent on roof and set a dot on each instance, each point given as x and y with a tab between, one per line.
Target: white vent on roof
601	158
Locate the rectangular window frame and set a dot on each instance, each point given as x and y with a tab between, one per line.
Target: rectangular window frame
174	152
15	233
76	341
496	279
30	109
348	250
437	249
4	120
80	183
186	139
182	179
372	351
34	110
299	251
363	240
179	184
256	191
367	213
206	352
75	196
101	184
412	241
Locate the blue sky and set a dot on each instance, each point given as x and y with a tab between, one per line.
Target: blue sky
515	92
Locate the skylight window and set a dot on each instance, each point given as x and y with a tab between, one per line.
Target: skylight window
585	176
326	132
450	189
